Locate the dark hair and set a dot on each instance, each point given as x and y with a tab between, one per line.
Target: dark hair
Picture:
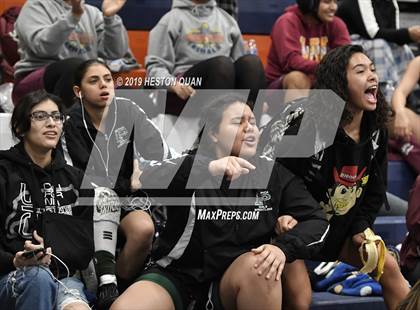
212	115
332	74
84	67
21	117
308	6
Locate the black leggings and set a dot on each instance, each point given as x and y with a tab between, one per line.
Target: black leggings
222	73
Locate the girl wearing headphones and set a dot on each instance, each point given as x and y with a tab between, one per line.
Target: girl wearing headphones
105	136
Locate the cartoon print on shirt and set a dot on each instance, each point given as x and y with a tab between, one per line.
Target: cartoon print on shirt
348	187
79	41
205	40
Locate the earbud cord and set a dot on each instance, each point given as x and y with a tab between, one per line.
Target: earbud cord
106	164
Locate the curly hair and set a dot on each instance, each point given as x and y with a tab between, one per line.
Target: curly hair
332	74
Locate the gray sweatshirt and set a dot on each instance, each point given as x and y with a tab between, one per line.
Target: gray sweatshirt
48	32
190	33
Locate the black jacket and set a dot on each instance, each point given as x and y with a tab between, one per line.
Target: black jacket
26	191
347	178
375	19
202	243
112	158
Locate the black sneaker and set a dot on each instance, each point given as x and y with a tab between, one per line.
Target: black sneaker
107	294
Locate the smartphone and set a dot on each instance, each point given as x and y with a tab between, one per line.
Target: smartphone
33	253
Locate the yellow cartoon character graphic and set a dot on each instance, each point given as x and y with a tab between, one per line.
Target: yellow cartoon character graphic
347	189
205	40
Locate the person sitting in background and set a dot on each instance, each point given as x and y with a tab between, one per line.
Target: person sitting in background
35	180
230	6
300	38
410	256
374	24
406	124
198	39
105	136
54	36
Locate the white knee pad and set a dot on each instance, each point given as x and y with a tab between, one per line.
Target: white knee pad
106	218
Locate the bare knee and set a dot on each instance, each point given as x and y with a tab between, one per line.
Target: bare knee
144	295
138	228
242	287
76	306
248	275
123	304
244	274
296	80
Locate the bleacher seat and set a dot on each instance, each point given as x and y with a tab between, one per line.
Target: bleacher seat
400	178
329	301
392	229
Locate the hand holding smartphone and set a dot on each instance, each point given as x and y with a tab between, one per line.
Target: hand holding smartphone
32	253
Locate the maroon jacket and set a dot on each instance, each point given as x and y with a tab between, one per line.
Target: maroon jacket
297	45
410	251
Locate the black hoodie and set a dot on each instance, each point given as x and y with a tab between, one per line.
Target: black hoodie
128	130
204	235
347	178
26	191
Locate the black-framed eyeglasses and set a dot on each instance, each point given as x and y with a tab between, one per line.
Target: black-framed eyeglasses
40	116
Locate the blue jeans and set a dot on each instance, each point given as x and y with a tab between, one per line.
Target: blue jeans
35	288
28	288
72	292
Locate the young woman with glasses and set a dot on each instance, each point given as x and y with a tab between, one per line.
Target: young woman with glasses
35	179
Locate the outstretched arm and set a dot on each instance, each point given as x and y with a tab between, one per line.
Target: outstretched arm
399	99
